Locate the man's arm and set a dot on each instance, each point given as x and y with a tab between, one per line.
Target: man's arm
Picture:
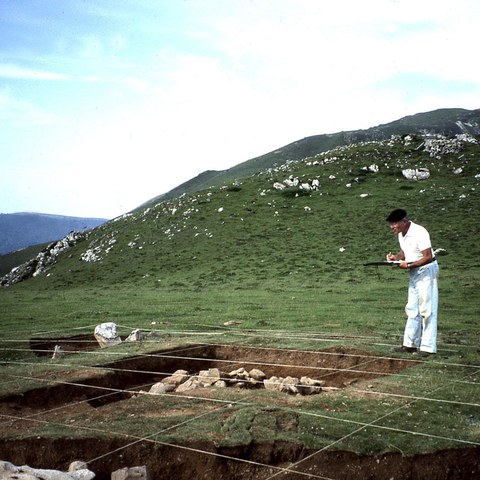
427	257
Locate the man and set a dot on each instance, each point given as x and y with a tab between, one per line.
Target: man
416	255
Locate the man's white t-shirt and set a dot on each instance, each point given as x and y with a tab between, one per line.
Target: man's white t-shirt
416	239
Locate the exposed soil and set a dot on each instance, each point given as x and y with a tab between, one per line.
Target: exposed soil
338	367
166	462
77	343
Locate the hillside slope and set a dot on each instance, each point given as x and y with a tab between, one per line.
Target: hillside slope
251	231
448	122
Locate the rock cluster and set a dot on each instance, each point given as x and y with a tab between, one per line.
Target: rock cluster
292	181
45	259
182	381
107	336
416	173
443	146
76	471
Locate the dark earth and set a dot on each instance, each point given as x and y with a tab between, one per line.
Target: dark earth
206	460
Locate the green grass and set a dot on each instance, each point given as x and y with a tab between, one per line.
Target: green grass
251	254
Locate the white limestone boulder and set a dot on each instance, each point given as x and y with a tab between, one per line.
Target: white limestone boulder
416	174
106	335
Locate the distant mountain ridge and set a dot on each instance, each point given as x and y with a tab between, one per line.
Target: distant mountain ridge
446	121
21	230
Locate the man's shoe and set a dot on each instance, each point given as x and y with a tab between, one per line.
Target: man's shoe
423	354
404	349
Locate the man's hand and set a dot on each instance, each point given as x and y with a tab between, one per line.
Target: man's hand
403	264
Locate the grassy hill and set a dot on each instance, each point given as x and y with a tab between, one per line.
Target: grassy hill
285	267
248	232
447	121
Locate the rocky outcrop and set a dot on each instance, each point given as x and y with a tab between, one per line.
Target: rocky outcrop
43	261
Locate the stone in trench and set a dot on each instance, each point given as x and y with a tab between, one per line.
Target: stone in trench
177	378
132	473
208	377
191	384
8	471
280	384
158	389
58	352
289	385
309	386
272	383
257	375
239	374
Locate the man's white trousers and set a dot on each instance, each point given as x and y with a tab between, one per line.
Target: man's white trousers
422	308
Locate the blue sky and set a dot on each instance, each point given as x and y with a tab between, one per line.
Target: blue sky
105	104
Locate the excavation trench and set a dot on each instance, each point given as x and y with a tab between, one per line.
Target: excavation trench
337	367
107	396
